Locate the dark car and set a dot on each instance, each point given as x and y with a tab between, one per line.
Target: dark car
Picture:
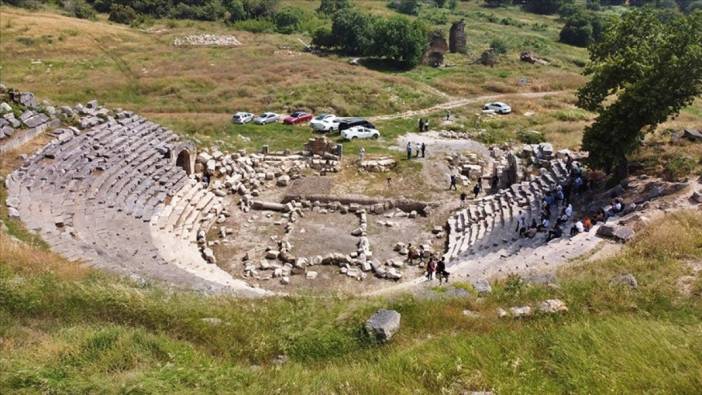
351	122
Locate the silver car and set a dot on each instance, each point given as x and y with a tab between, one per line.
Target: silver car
242	117
266	118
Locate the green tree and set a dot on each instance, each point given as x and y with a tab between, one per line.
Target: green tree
545	7
652	69
399	39
352	31
122	14
330	7
577	31
288	20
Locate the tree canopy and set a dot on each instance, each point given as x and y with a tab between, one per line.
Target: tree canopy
644	70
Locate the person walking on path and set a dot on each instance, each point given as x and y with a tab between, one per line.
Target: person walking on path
409	150
463	199
424	148
476	189
431	269
453	183
448	115
441	272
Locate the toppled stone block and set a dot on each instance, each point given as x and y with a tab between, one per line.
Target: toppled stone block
383	324
616	232
521	311
552	306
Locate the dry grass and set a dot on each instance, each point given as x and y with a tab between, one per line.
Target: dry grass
141	70
28	260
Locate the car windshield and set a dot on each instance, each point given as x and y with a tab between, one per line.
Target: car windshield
321	117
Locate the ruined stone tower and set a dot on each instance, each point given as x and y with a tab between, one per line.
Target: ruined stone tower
457	37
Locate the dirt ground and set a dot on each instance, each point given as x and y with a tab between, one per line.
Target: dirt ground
322	233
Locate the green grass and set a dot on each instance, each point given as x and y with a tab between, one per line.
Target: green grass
81	331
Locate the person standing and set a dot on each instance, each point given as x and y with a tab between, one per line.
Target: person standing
453	183
521	224
441	272
421	125
362	154
463	199
477	189
448	115
424	148
409	150
431	268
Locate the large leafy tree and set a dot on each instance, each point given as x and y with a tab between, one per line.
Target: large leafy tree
401	40
643	71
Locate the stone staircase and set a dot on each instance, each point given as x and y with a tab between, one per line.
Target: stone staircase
490	222
111	195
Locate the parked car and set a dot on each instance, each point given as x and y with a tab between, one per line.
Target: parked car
266	118
497	107
242	117
347	123
297	117
360	132
325	123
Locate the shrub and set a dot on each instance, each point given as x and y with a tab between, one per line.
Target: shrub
236	10
79	9
435	16
409	7
530	137
123	14
545	7
330	7
488	57
498	46
288	20
323	37
260	8
679	167
577	31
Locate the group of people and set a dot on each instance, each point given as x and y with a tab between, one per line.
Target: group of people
417	149
435	267
559	199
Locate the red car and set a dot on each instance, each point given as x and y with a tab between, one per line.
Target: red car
297	117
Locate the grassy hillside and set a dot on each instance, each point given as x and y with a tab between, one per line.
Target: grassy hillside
66	328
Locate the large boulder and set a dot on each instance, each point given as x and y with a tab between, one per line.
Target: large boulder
383	324
692	135
482	286
616	232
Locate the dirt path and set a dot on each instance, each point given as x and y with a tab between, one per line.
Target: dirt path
460	102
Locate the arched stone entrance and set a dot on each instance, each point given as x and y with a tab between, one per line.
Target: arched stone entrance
183	160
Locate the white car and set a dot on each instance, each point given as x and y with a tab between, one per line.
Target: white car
325	123
360	132
497	107
266	118
242	117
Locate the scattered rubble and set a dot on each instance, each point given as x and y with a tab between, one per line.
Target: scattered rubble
206	40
